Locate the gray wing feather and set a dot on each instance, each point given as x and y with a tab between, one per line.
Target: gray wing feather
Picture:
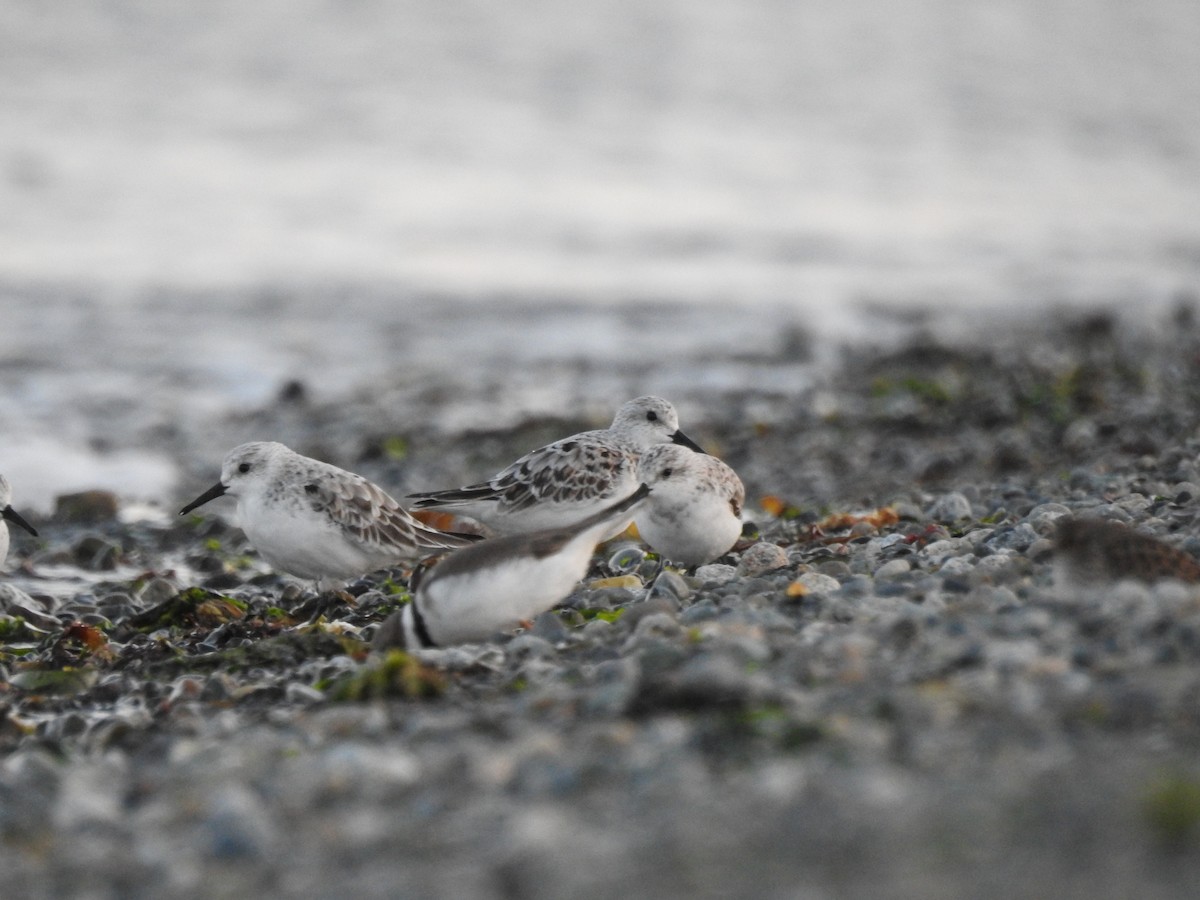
370	515
566	470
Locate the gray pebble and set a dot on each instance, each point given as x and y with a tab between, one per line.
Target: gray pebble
699	612
950	508
661	604
716	573
529	646
549	627
893	568
671	584
818	583
761	558
1017	538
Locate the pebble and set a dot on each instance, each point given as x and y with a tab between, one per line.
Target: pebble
716	573
950	508
1019	538
761	558
238	825
893	568
816	583
671	584
831	697
549	627
699	612
661	604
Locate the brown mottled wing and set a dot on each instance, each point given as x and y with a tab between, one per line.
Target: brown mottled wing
1101	549
583	467
370	515
562	472
727	482
1150	559
737	496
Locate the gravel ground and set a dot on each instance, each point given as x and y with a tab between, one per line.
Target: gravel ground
881	692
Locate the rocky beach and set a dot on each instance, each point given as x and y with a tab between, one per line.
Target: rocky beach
882	691
926	275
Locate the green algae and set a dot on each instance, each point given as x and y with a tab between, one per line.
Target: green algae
191	608
283	650
605	615
1171	807
65	681
398	675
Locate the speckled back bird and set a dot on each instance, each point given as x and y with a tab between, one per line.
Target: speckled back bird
1090	550
568	480
317	521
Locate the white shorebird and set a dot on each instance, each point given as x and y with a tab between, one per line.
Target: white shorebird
317	521
8	514
495	584
695	512
564	482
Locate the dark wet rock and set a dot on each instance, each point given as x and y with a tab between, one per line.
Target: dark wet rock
698	612
671	584
95	554
1018	538
709	680
549	627
661	604
156	590
86	507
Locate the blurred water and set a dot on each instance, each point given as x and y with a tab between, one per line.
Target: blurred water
200	201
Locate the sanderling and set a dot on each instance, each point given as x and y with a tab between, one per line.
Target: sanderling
11	515
566	481
695	512
1088	551
317	521
495	584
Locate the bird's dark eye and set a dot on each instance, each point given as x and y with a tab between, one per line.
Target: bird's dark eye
666	473
244	467
652	416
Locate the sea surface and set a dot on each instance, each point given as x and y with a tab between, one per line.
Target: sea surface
201	203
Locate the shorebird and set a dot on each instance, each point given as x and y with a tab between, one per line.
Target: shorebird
568	480
1095	550
695	512
317	521
8	514
498	583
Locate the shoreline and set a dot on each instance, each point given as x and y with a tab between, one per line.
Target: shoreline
917	708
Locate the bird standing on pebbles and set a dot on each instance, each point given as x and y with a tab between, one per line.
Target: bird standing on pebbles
495	584
695	512
1089	551
569	480
8	514
317	521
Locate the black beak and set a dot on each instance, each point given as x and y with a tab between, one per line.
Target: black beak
680	438
217	490
15	517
